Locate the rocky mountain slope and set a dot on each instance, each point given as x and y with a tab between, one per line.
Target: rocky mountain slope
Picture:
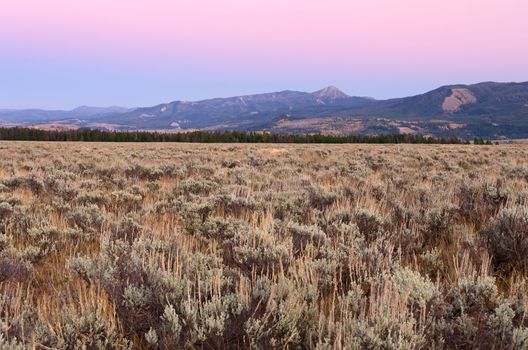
489	110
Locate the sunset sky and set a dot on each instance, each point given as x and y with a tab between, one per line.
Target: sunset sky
65	53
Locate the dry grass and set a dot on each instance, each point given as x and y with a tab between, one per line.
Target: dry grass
111	246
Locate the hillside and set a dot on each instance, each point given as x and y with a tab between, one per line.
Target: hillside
489	110
240	112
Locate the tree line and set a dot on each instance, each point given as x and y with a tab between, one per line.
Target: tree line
93	135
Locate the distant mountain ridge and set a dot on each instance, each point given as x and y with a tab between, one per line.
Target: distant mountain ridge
489	110
90	111
237	112
41	115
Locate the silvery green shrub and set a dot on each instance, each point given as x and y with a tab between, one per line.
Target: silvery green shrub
257	249
44	240
5	211
305	234
421	291
506	236
321	199
438	225
93	197
124	201
198	187
89	218
86	330
370	224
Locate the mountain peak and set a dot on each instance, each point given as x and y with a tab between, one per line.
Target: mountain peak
330	92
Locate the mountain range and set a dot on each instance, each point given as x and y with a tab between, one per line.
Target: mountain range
488	110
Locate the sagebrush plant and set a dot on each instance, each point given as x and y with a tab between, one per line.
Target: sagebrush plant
175	246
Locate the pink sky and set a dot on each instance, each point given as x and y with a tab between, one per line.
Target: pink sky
399	46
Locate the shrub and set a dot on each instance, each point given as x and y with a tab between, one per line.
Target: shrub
431	263
142	172
479	201
77	235
87	198
502	324
470	303
223	230
198	187
194	214
80	330
89	218
5	242
167	206
31	181
506	237
44	240
123	201
370	224
13	344
421	290
149	298
284	318
320	198
14	268
127	229
290	205
520	338
230	163
496	194
439	225
235	205
257	249
153	186
303	235
5	211
67	192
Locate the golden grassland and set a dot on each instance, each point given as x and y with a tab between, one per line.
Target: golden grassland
227	246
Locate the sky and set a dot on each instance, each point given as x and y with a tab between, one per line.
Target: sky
59	54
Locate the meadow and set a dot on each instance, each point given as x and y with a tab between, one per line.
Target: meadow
245	246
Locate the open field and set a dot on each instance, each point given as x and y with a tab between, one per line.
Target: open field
175	246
